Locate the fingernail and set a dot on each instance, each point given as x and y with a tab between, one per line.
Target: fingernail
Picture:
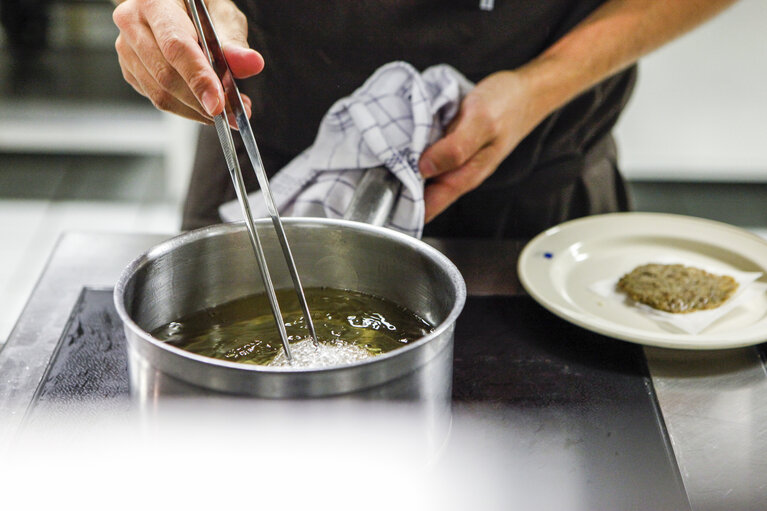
210	102
427	168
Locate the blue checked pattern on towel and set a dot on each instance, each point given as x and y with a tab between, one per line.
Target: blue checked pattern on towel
389	121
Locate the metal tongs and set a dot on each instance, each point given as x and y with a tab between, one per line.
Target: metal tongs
212	47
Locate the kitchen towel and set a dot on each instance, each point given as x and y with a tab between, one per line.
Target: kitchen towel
389	121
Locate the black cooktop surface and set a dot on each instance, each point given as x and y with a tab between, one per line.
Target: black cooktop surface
512	357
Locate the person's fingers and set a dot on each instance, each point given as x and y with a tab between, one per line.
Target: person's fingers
493	118
125	20
161	57
131	79
126	67
163	73
162	34
230	117
243	62
232	28
162	99
247	103
467	134
446	188
176	40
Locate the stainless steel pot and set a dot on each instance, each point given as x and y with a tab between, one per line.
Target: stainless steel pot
214	265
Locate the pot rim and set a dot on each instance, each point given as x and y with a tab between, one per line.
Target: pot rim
169	245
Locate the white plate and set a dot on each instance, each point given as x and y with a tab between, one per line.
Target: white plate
558	266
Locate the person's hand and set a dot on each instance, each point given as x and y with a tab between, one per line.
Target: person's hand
161	58
493	118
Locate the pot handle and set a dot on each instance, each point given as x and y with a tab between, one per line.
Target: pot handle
374	197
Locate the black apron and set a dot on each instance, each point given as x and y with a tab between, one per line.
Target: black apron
317	52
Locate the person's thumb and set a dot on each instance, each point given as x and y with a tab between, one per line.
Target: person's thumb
232	28
446	154
243	61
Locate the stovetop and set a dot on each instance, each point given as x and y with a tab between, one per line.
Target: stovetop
510	355
507	350
533	397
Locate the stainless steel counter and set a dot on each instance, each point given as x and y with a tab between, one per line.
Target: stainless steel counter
714	404
78	260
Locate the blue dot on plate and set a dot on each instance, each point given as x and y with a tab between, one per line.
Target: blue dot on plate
548	255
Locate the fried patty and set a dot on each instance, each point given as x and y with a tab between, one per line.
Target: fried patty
677	288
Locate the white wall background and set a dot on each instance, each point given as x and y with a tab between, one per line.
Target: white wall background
700	108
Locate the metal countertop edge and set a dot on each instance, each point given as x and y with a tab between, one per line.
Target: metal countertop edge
78	260
714	405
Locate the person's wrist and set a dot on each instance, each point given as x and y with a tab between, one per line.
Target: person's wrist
550	83
532	93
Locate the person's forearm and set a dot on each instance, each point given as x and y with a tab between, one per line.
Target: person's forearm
612	38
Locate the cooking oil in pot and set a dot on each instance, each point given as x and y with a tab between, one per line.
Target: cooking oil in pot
350	326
